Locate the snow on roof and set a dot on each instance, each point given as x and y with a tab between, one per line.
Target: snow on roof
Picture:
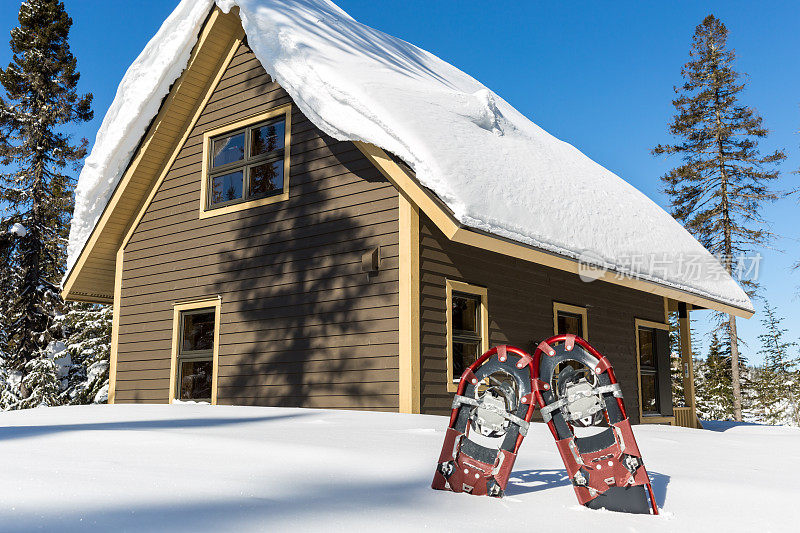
494	168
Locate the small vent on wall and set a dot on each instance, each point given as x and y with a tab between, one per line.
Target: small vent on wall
371	260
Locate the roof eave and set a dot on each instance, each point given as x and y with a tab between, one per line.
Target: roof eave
93	276
434	208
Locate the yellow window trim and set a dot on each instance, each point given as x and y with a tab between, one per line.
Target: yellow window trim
216	304
460	286
205	211
572	309
649	419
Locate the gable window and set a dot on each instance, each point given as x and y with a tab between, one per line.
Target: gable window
247	163
570	319
652	350
195	344
467	328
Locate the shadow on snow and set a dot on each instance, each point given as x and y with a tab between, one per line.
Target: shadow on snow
724	425
228	513
23	432
527	481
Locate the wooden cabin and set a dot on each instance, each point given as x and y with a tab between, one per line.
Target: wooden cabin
251	259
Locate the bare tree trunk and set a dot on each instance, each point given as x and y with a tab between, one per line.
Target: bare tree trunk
737	386
727	224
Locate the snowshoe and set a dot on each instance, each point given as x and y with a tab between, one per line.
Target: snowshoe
575	387
491	413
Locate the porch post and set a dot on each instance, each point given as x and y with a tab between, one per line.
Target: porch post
687	366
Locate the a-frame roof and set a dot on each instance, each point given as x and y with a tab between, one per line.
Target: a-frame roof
484	173
92	276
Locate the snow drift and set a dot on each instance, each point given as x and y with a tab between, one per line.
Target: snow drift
498	171
204	468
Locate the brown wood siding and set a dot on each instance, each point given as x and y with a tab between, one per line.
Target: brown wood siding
301	324
520	297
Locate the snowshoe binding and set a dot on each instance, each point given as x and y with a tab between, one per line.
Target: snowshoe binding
575	387
492	409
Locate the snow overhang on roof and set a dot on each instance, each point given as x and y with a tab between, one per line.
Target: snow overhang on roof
495	170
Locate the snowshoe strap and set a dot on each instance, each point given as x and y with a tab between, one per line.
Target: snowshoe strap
614	389
546	411
459	400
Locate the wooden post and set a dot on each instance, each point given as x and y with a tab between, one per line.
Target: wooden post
687	366
409	330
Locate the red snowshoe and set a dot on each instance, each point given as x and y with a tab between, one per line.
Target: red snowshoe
575	387
491	413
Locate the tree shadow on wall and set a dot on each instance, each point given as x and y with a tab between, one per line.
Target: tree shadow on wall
302	324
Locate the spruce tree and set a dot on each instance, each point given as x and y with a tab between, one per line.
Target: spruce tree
676	362
41	97
723	181
9	278
776	387
715	398
87	330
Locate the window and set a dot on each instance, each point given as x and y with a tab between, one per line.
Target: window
247	163
570	323
194	361
195	357
467	328
466	309
570	319
648	371
653	360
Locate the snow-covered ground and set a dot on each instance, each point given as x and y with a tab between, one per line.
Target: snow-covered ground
204	468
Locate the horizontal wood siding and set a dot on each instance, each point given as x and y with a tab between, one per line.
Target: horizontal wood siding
521	296
302	325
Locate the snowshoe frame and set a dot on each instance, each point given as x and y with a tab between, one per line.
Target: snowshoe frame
466	466
606	469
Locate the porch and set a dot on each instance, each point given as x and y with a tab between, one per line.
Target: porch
684	413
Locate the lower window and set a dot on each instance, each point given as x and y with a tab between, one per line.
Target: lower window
467	328
467	342
195	380
195	364
648	371
569	320
570	323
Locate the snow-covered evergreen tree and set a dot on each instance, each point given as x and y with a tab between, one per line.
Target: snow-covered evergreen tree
714	394
777	387
86	352
724	180
40	380
9	281
40	86
676	362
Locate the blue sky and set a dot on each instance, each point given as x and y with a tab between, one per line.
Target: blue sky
596	74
